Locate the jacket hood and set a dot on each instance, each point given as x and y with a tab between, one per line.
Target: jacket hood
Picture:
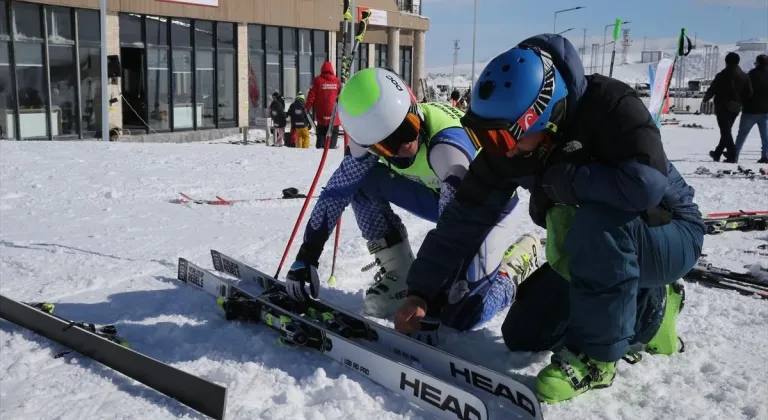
567	62
327	68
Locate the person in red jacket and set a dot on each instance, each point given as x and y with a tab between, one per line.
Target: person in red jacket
322	96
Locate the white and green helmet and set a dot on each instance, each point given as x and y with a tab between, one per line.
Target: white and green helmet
373	104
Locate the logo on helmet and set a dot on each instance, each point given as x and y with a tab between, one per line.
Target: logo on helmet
528	118
394	82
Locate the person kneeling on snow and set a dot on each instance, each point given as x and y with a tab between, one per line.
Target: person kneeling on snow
622	226
412	155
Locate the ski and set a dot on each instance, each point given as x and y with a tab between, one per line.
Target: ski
710	279
747	278
199	394
299	326
744	222
108	332
495	387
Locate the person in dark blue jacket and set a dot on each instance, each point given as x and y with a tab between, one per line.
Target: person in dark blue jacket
622	226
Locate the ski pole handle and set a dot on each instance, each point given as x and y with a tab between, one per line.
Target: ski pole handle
362	26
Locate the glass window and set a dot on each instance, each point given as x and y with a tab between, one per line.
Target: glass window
203	34
273	73
227	83
89	26
4	32
130	29
60	25
272	38
204	80
305	60
181	35
290	73
63	89
226	35
90	82
183	110
305	41
27	26
320	50
255	37
157	30
158	94
255	72
32	96
362	55
255	80
339	50
7	97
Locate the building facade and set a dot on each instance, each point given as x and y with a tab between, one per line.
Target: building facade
188	69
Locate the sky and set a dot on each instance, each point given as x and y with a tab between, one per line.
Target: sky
503	23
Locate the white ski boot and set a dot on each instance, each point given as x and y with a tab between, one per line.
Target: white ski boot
388	290
522	258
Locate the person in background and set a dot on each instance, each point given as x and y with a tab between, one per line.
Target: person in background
299	122
756	109
279	119
322	97
730	88
455	97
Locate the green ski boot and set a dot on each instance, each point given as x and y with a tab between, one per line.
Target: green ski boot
570	375
666	339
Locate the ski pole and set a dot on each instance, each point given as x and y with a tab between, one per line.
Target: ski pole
347	16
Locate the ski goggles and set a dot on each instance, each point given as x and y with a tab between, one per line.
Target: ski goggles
407	132
499	136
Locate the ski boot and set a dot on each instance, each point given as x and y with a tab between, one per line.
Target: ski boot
666	339
570	375
522	258
394	258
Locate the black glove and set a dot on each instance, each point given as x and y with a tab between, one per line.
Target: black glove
427	334
539	205
557	183
300	274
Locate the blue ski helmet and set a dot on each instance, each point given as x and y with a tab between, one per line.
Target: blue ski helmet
519	92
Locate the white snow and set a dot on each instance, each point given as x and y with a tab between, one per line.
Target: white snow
90	226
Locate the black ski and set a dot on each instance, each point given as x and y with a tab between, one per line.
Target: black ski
199	394
299	326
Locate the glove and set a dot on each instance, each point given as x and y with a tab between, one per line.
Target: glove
538	206
299	274
427	332
557	183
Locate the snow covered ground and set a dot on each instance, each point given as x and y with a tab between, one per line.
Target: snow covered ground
90	227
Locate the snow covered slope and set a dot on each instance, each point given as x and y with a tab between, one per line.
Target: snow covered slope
89	226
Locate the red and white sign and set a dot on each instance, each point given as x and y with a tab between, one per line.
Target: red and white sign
208	3
378	17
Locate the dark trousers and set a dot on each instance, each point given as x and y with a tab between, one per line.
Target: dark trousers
619	269
725	120
322	131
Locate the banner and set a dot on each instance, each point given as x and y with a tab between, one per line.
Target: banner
208	3
378	17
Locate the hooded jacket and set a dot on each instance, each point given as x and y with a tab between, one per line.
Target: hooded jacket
297	114
322	95
730	88
758	102
610	152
